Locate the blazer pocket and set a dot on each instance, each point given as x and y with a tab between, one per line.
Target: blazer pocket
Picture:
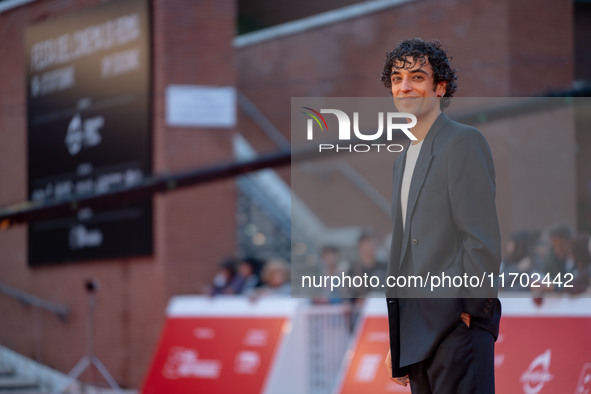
434	185
433	192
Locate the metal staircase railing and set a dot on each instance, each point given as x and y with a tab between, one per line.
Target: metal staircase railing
60	310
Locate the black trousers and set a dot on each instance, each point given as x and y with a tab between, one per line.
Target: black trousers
463	363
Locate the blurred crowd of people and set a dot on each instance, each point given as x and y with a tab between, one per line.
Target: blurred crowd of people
560	259
534	262
251	277
556	260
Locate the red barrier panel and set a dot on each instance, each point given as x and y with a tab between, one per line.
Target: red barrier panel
541	349
545	349
366	371
218	346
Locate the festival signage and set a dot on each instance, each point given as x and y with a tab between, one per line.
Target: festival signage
88	129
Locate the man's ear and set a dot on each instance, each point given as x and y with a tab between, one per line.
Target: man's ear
440	89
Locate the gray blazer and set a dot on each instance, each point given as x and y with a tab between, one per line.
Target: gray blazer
451	226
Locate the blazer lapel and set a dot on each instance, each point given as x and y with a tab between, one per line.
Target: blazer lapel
397	180
396	244
418	178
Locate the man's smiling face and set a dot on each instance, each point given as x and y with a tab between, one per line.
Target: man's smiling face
412	81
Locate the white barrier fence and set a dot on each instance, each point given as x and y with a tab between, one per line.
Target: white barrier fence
328	331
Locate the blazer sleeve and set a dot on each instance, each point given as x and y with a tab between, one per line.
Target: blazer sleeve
471	188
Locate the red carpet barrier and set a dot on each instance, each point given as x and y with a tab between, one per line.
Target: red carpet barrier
541	349
364	370
225	345
544	349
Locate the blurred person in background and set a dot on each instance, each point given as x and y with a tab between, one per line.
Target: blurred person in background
275	279
224	281
520	259
367	262
248	276
330	265
366	265
559	259
581	250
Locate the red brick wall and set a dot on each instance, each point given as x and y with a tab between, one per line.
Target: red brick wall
193	45
500	48
346	59
541	46
193	228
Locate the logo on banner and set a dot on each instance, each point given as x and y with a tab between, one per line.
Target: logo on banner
204	333
401	121
584	385
368	366
500	358
247	362
378	336
83	134
185	363
81	237
537	374
255	337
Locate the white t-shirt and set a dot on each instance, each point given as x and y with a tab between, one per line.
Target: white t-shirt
412	154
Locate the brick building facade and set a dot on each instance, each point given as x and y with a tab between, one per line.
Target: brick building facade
500	48
193	228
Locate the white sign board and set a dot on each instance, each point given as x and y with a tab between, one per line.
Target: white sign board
200	106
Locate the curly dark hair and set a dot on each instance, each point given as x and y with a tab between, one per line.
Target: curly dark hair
413	51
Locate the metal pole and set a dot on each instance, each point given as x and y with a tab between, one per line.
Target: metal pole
90	358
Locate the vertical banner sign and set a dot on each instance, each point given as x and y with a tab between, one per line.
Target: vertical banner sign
88	85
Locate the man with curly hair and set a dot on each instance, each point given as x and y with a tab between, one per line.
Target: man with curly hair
445	220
